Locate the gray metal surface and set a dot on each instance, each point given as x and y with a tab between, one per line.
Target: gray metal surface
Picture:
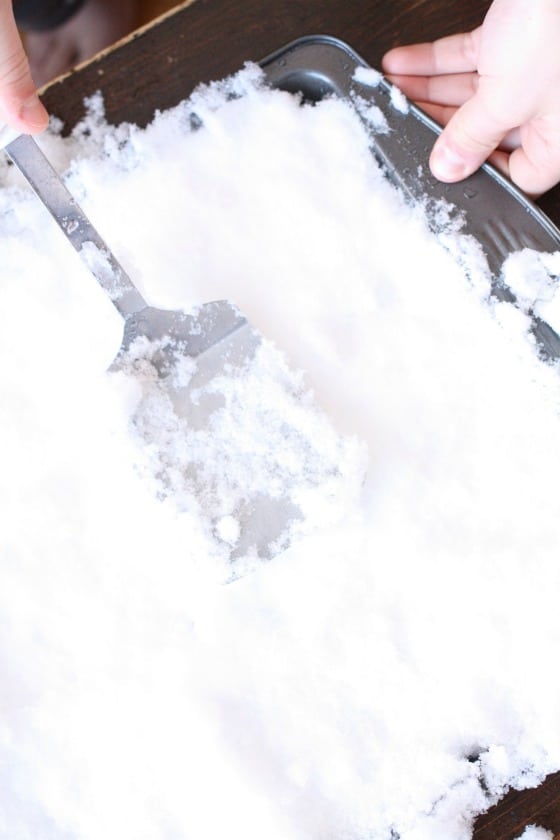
212	324
495	212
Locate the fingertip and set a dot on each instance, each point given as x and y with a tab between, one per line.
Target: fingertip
20	105
469	138
34	115
28	115
394	60
447	164
387	62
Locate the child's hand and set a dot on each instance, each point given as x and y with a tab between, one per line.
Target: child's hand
497	87
20	106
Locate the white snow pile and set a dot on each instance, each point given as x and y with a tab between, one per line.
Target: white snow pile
387	674
535	832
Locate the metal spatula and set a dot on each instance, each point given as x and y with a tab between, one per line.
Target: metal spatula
215	335
212	324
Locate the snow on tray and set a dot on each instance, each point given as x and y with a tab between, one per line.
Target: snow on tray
389	674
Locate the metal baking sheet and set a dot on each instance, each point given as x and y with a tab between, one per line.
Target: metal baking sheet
495	212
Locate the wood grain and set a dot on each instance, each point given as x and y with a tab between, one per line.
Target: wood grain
207	39
150	9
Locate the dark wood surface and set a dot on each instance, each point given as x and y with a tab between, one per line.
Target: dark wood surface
208	39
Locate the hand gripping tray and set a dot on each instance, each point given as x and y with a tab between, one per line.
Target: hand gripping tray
495	212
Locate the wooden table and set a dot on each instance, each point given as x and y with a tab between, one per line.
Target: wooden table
207	39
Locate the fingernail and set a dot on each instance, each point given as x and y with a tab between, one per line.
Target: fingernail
33	112
447	165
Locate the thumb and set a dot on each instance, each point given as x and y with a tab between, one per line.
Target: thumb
20	106
469	138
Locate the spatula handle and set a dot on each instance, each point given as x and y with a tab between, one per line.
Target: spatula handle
75	225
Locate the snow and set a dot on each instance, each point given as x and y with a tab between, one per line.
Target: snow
367	76
533	277
399	100
388	674
535	832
